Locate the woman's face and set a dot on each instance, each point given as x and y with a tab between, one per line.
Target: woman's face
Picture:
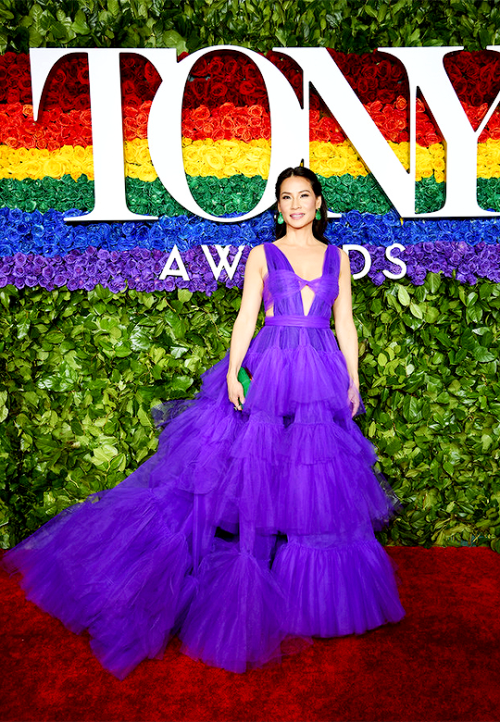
297	202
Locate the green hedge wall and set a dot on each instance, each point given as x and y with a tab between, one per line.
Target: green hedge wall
346	25
80	372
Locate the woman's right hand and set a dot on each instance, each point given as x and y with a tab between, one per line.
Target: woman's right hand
354	398
235	393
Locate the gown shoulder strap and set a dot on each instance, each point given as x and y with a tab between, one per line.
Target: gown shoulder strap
332	265
276	261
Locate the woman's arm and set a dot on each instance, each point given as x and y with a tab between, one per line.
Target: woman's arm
345	329
245	323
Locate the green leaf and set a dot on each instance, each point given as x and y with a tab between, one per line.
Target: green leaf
144	418
122	350
36	13
431	314
394	9
416	310
23	328
181	383
55	337
370	11
140	338
412	409
79	26
118	463
172	39
403	296
184	295
103	454
114	7
433	282
382	359
482	354
4	409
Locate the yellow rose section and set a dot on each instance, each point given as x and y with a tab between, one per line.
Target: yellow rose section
227	158
23	163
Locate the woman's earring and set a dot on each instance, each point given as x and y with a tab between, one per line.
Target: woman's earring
318	215
280	219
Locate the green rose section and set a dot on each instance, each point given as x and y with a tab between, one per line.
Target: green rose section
77	387
221	196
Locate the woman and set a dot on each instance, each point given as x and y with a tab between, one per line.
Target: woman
254	520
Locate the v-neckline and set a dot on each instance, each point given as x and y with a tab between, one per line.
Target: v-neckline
305	280
296	274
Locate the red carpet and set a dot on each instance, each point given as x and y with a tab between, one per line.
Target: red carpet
442	662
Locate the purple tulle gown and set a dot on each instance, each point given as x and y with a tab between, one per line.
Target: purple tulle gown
245	528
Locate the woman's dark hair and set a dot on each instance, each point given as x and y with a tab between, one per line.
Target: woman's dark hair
318	227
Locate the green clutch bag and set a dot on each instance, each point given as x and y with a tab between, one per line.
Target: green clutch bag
244	377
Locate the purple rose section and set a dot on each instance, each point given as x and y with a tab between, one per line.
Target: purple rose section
140	268
454	259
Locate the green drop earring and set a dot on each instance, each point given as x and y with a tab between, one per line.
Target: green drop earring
280	219
318	215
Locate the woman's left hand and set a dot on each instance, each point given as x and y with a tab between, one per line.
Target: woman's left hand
236	393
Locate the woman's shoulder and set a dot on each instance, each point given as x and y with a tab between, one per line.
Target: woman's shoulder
344	258
257	260
258	253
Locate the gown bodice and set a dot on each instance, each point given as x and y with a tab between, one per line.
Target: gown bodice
282	286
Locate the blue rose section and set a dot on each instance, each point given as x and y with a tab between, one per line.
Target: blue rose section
43	250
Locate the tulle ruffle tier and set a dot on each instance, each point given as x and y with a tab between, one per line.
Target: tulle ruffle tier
245	609
291	366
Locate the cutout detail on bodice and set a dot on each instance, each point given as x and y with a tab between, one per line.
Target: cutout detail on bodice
290	292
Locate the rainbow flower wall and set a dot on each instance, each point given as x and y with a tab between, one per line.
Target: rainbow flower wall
88	346
46	172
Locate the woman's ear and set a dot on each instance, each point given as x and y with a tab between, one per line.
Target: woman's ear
319	201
